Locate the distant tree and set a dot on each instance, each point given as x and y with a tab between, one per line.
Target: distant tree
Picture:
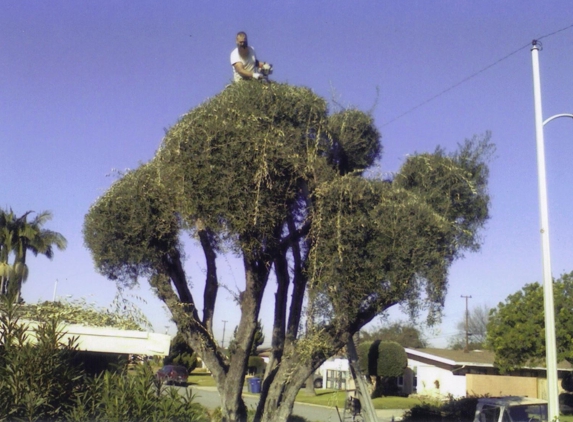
363	350
392	361
382	361
405	334
268	173
18	236
181	354
477	329
516	328
258	340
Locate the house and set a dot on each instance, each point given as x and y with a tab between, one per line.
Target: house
335	374
441	372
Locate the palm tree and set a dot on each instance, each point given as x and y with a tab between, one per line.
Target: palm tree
6	246
17	237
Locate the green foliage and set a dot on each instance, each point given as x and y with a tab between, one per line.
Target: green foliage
392	359
454	410
118	397
258	340
180	353
405	334
355	141
363	350
38	379
18	237
516	332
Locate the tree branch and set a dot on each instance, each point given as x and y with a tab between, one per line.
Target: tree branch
211	281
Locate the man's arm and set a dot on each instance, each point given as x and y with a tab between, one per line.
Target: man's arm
245	74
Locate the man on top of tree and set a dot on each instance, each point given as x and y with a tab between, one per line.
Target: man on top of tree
243	59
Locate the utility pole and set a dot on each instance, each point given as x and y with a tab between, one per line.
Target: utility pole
467	348
223	342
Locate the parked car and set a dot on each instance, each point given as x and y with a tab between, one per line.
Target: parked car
510	409
175	374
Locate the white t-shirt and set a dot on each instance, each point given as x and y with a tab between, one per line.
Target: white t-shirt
248	63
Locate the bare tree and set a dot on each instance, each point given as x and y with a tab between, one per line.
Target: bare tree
477	320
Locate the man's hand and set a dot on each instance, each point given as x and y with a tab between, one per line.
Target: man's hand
257	75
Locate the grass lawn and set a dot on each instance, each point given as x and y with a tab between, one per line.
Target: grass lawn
336	398
323	397
204	379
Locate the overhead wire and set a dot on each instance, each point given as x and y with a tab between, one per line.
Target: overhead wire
473	75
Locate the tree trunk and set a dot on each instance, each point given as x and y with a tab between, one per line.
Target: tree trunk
309	388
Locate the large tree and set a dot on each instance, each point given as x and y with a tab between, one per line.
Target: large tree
516	328
18	237
265	172
405	334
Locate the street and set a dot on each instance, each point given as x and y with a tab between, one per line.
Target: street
209	397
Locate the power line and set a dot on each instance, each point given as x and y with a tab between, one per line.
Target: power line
473	75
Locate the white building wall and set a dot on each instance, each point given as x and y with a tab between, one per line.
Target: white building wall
437	382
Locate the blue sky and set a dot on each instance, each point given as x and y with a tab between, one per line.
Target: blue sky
89	87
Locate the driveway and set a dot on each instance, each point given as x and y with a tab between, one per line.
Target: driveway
209	397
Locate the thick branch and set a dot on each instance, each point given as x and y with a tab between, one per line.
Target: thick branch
211	282
189	325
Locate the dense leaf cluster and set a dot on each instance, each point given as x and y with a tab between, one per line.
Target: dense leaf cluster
516	328
403	333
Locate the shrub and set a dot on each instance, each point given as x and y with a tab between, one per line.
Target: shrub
39	381
37	377
458	410
117	397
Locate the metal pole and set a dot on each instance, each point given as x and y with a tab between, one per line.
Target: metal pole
362	389
223	342
55	289
550	343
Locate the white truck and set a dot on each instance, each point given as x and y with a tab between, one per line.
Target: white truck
511	409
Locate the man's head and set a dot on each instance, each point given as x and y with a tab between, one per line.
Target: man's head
242	41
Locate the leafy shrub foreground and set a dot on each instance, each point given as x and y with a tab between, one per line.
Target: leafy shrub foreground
40	380
454	410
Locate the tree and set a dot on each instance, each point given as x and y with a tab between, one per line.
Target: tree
258	340
478	318
181	354
405	334
516	328
18	236
392	361
263	171
383	362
